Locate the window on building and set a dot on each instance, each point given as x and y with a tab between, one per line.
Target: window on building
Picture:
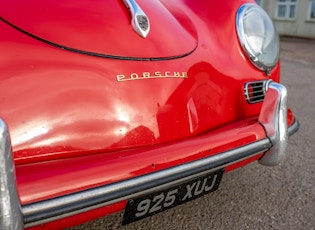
312	10
286	9
260	2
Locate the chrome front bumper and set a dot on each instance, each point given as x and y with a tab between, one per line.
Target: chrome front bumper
273	118
10	208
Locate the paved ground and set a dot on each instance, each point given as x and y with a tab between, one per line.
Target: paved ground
257	197
298	50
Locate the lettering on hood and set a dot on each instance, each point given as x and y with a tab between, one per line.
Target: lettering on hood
150	75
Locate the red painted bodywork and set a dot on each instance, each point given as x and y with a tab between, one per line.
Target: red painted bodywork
71	120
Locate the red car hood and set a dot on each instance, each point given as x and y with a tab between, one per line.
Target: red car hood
101	27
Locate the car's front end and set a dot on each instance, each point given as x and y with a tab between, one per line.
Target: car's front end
95	121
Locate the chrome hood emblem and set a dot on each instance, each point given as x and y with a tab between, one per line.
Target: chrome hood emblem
139	20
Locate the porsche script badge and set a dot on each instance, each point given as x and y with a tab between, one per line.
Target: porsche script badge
139	20
150	75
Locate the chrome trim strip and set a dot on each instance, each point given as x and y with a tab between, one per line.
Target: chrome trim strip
139	20
10	208
294	127
53	209
273	117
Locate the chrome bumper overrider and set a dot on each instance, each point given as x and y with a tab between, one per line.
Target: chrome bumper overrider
10	208
14	216
273	117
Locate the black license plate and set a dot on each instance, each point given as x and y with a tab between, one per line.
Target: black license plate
156	202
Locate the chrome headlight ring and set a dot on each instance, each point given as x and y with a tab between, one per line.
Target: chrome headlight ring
257	36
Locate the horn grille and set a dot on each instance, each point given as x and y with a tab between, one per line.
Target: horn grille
255	91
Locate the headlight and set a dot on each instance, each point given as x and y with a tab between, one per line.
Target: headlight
258	36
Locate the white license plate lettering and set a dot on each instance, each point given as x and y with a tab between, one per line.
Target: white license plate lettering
189	189
142	207
157	201
170	198
147	206
207	187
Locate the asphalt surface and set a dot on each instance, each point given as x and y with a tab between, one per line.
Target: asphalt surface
255	196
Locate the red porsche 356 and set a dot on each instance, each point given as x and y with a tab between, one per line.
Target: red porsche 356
132	105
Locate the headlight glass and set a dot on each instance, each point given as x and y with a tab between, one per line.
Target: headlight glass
258	36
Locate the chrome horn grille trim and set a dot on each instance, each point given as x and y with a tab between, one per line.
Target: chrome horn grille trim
255	91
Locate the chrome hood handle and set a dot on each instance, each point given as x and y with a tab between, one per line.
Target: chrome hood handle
139	20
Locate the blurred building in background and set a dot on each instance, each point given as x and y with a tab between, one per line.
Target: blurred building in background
292	17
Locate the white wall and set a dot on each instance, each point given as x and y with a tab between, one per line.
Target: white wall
300	26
